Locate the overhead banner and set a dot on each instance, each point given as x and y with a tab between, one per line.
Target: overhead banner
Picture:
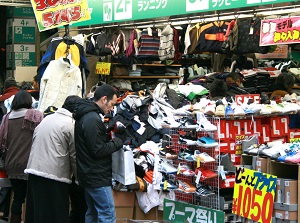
50	14
179	212
253	195
280	31
110	11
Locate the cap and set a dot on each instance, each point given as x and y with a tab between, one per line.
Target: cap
9	82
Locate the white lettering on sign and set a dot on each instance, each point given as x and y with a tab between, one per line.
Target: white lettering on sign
240	99
194	5
122	9
144	5
220	3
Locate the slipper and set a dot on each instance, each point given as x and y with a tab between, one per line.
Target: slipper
207	142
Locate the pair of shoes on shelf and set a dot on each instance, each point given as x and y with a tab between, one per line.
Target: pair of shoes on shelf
186	187
204	190
168	153
204	123
207	142
186	155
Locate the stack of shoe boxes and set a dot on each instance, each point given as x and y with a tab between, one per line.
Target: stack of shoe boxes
286	201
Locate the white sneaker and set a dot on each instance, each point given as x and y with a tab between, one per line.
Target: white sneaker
204	124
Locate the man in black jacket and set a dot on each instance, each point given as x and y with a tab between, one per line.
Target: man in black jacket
94	148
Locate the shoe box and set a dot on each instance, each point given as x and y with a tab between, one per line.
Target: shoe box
124	204
286	199
248	161
261	164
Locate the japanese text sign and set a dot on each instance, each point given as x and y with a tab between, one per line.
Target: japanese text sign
103	68
109	11
280	31
178	212
253	195
54	13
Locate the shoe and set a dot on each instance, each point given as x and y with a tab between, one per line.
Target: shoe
189	123
204	124
188	140
207	142
168	185
252	150
292	152
210	109
186	154
186	187
220	110
293	159
203	157
205	173
168	153
238	111
229	111
186	170
166	167
246	143
204	190
252	109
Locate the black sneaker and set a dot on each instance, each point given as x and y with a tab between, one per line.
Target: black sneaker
204	190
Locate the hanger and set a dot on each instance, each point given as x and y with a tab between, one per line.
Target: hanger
68	39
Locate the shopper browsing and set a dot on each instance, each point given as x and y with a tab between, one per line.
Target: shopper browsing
94	148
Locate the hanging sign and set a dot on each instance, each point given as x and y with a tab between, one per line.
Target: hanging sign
281	52
280	31
253	195
103	68
50	14
179	212
110	11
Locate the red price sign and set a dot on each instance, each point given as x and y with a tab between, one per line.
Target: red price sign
253	195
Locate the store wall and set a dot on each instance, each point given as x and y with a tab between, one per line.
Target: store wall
2	45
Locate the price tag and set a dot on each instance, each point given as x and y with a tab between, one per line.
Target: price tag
198	162
198	177
103	68
178	169
165	185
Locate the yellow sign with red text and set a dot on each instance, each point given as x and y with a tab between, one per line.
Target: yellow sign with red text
103	68
50	14
253	195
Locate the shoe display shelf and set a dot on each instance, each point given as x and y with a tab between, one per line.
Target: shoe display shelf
206	170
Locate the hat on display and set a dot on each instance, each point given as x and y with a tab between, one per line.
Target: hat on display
9	82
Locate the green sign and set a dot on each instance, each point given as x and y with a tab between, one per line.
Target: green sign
22	30
13	11
179	212
110	11
22	55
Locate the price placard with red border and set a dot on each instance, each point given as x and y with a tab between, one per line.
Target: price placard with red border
253	195
50	14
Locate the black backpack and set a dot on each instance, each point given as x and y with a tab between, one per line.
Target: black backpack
3	110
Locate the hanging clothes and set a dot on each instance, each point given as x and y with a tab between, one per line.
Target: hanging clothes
149	44
61	79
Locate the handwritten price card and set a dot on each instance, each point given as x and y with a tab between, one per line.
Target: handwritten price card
103	68
253	195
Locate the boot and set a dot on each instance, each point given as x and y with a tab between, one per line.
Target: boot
15	218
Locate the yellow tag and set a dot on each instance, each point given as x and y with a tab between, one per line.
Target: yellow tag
103	68
178	169
198	162
165	185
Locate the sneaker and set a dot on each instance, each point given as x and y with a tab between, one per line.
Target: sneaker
166	167
203	157
220	110
168	153
204	124
186	187
293	159
210	109
168	185
189	123
226	162
229	111
188	140
238	111
207	142
246	143
204	190
186	170
186	155
206	173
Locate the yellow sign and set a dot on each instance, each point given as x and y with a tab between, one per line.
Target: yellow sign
103	68
50	14
253	195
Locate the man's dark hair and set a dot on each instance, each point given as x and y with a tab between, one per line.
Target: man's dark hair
21	100
284	81
104	90
234	75
36	78
218	88
71	103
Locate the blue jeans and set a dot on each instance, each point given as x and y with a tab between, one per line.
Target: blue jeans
100	205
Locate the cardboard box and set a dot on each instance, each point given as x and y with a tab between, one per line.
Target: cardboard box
261	164
285	207
124	204
284	221
286	215
291	191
